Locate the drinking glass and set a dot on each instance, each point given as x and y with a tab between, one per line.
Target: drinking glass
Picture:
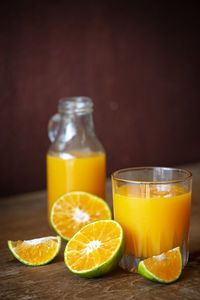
152	204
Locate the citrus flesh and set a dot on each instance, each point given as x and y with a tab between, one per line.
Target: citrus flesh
164	268
96	249
36	252
76	209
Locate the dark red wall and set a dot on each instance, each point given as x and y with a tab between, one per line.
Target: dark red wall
139	63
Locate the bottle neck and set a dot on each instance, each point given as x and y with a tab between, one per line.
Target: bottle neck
72	129
75	126
76	117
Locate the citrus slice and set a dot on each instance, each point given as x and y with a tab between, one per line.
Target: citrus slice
164	268
76	209
96	249
36	252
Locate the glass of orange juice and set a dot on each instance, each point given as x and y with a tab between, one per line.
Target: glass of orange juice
152	204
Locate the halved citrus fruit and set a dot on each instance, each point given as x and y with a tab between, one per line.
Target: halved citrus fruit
96	249
164	268
36	252
76	209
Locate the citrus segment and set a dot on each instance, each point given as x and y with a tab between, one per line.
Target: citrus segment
36	252
96	249
164	268
76	209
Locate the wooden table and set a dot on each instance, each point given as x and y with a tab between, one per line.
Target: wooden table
24	217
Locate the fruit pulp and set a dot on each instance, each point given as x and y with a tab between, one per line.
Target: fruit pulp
155	218
96	249
163	268
84	171
76	209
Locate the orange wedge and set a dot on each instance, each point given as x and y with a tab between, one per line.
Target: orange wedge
36	252
76	209
96	249
163	268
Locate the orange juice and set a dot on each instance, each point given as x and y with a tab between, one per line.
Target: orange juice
84	171
155	218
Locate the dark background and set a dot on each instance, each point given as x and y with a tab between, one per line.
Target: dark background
138	62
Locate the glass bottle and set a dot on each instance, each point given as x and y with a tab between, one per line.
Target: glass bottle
76	159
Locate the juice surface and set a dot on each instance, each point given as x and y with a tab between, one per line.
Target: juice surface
154	218
85	171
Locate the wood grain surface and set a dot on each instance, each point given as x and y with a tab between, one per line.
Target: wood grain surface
24	217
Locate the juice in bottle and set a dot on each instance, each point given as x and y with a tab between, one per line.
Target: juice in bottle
81	171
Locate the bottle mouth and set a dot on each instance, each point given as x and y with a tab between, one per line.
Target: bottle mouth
78	104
